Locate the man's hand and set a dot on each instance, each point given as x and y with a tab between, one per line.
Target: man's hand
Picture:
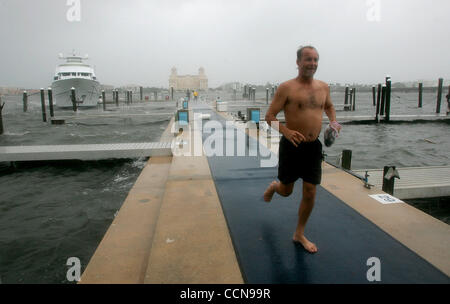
336	126
294	137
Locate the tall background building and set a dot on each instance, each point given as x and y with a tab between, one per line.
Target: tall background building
188	82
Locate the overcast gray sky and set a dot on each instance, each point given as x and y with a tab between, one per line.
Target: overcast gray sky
138	41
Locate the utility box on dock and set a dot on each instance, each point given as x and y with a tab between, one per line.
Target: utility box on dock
253	114
182	117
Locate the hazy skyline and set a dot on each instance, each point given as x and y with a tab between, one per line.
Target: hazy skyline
255	41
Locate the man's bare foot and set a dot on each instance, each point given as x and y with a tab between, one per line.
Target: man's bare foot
268	194
310	247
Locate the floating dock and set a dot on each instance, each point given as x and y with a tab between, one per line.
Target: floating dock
414	182
202	219
84	152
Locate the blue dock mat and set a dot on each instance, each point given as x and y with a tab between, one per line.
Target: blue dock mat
262	233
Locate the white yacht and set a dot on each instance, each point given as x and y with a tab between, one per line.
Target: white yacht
75	74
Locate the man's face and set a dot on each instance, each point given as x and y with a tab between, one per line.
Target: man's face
307	65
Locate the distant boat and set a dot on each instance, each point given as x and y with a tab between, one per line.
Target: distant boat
75	74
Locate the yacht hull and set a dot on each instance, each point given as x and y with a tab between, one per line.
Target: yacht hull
87	92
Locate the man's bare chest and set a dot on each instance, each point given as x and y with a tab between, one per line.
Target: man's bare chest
306	99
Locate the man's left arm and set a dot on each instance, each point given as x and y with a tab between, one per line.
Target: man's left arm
330	111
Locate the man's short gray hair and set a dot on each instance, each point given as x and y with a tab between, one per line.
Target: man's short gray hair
300	50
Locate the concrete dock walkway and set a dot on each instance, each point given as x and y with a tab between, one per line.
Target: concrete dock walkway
201	219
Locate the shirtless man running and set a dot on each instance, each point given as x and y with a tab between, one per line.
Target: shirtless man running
303	99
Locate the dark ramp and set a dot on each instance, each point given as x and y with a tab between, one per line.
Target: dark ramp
262	233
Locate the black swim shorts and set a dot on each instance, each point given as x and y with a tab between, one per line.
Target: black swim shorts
303	161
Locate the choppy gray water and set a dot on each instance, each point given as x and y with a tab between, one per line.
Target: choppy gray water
54	211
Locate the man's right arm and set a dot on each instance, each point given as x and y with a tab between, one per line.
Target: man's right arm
278	103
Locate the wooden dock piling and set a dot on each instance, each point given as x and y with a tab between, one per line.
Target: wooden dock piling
346	98
141	93
25	101
50	102
377	111
44	114
74	99
388	99
448	100
439	96
104	100
420	94
388	184
1	118
267	95
354	99
383	99
373	95
347	159
350	94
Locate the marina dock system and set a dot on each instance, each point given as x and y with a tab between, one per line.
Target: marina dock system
415	182
202	219
84	152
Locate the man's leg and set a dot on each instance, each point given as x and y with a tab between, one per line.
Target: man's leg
278	187
306	206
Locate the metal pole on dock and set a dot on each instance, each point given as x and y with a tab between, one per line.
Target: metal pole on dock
273	91
44	114
267	95
346	98
50	102
25	101
1	118
131	96
254	94
171	93
74	99
388	99
420	94
141	92
439	96
383	99
116	97
128	96
104	100
347	159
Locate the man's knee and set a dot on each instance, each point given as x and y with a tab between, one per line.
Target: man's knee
309	192
284	190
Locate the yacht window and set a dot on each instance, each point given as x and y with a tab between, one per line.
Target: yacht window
65	74
55	78
74	74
